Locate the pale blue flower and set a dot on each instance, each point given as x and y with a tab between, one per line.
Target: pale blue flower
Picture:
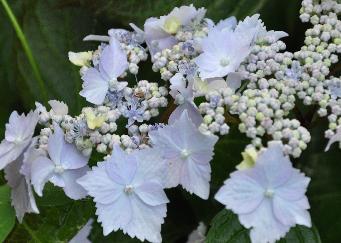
334	86
228	24
188	153
18	177
295	72
133	109
183	89
112	64
269	198
18	136
159	31
252	29
222	53
128	191
83	234
63	167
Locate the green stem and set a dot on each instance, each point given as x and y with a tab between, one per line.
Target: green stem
31	233
27	50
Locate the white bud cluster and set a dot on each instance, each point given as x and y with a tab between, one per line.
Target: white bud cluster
135	54
317	56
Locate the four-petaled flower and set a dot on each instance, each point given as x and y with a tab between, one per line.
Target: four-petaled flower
128	191
18	136
63	167
268	198
188	153
112	64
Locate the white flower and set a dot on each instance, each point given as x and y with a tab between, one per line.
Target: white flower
112	64
128	191
268	198
18	177
18	135
198	235
188	153
182	92
159	31
80	58
63	167
59	108
83	234
223	52
252	29
335	138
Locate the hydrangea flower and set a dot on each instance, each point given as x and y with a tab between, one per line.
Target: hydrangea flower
18	177
228	24
128	191
198	235
83	234
268	198
223	52
188	153
59	108
133	110
159	31
335	138
80	58
295	72
183	95
252	29
18	136
63	167
112	64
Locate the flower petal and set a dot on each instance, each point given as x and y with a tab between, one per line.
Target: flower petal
41	171
72	189
98	185
95	87
241	193
151	193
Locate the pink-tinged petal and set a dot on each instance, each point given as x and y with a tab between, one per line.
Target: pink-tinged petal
264	226
115	215
95	87
41	171
83	234
10	152
292	212
22	196
151	193
113	60
276	166
72	189
120	167
99	186
295	187
55	144
242	193
192	112
195	178
146	221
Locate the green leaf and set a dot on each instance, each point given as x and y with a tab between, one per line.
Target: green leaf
225	228
7	214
